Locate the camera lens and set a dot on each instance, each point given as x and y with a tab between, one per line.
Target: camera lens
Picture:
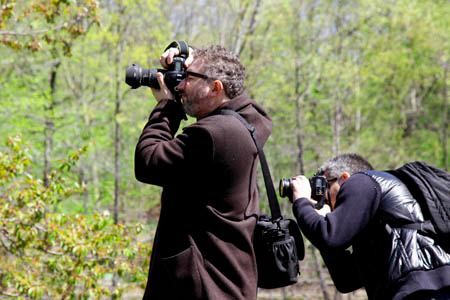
284	188
136	76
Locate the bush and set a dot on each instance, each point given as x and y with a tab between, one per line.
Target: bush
44	254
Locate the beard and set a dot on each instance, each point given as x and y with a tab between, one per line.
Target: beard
188	107
191	103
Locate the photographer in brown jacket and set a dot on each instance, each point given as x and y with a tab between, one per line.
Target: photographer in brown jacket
203	243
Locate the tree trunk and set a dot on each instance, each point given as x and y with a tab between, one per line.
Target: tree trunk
49	125
299	120
299	95
83	183
318	269
300	165
445	123
249	30
117	129
337	127
85	125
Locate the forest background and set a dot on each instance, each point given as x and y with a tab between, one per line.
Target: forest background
366	76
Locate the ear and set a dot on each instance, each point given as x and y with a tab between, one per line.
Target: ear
217	87
345	176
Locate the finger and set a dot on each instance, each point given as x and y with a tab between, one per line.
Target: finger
167	57
190	58
299	178
160	78
172	52
163	59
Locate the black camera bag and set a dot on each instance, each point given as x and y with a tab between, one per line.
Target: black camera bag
277	242
278	247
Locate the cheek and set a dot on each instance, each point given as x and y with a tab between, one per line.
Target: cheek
333	193
202	92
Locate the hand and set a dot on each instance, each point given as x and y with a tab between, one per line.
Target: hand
167	57
163	92
301	188
324	210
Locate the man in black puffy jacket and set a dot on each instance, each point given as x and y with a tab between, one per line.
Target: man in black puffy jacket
362	240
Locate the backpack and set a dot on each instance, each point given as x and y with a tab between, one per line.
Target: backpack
430	186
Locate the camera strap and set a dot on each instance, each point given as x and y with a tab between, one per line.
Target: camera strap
182	46
271	194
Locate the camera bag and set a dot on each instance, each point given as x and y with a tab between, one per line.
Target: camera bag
277	242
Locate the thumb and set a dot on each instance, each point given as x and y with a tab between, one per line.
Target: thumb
160	78
190	58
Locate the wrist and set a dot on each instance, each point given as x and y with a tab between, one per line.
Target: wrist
171	107
299	199
300	194
165	100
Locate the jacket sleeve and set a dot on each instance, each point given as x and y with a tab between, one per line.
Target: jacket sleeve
161	156
356	204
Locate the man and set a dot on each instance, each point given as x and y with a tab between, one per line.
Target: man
203	242
362	240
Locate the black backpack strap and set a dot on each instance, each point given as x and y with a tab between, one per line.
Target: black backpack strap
430	186
271	195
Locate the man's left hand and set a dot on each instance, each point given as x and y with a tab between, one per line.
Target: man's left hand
167	57
163	92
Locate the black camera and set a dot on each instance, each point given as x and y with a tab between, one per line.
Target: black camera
137	76
318	189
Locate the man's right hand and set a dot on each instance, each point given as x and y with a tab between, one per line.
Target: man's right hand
324	210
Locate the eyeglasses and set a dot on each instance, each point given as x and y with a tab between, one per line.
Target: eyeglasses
330	181
195	74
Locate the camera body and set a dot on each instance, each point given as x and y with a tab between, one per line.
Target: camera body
318	184
136	76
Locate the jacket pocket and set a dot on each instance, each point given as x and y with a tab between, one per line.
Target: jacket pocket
182	271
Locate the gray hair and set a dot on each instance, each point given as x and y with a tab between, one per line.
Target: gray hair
349	162
221	64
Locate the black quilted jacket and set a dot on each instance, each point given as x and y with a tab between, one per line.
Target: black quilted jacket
405	250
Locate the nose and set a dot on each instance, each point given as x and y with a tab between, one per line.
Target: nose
180	86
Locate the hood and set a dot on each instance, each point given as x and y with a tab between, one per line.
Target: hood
252	113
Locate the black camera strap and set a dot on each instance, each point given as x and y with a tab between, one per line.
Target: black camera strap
271	194
182	46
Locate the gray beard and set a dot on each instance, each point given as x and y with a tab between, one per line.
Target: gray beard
187	108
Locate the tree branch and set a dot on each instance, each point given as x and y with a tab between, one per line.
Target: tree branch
35	32
8	294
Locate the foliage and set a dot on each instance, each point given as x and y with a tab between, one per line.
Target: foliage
366	76
30	24
57	255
